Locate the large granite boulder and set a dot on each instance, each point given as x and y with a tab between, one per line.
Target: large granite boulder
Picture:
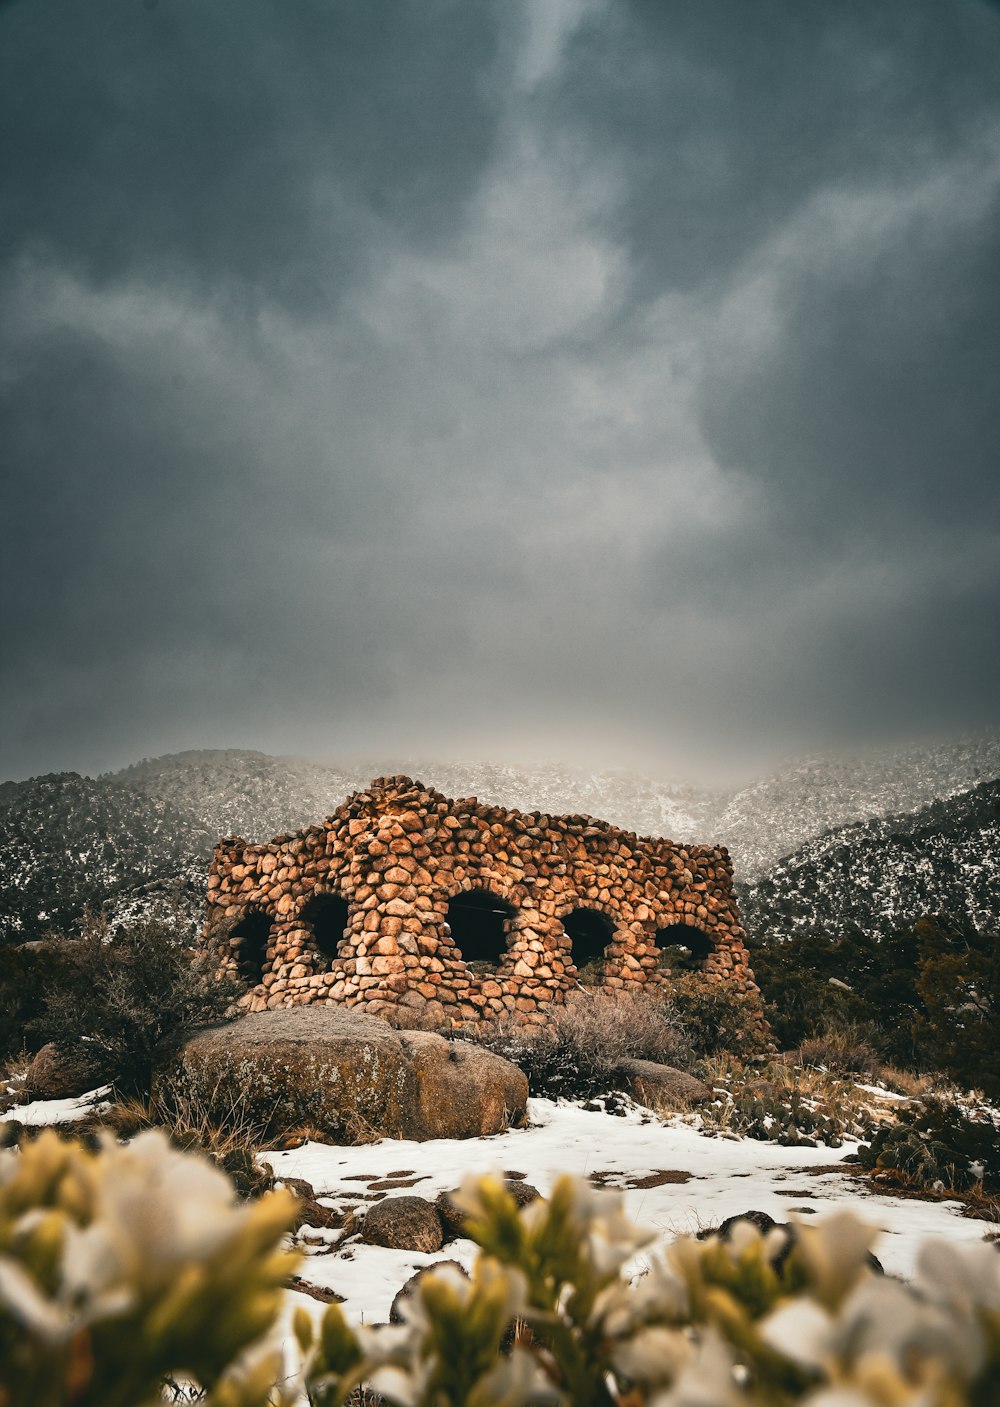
336	1074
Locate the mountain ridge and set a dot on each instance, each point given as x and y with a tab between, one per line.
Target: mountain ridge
143	835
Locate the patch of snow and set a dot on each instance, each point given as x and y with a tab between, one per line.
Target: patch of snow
43	1112
728	1176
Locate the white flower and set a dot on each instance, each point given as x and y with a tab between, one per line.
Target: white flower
161	1208
802	1331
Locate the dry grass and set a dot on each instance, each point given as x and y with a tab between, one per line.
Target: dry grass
233	1141
605	1028
13	1081
910	1082
843	1050
774	1099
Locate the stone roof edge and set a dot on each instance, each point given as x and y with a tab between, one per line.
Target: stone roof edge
399	784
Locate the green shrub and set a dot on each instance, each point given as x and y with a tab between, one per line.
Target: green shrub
718	1019
959	984
122	991
926	997
938	1145
26	975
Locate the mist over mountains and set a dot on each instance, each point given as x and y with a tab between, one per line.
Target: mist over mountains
870	840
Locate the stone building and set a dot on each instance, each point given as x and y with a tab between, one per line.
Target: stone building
421	908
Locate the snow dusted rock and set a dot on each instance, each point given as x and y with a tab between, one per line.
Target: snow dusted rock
403	1224
662	1086
344	1076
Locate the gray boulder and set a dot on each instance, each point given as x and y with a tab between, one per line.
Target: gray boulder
333	1073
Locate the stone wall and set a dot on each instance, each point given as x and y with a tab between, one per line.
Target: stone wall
415	906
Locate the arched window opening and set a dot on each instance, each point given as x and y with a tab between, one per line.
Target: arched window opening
325	915
252	932
682	948
589	932
479	924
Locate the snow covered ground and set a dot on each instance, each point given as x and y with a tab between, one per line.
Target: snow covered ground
43	1112
726	1177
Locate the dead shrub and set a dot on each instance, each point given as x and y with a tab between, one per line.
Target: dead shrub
578	1052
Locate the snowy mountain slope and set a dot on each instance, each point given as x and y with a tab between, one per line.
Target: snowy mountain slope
257	796
882	874
773	817
635	803
144	834
67	842
238	792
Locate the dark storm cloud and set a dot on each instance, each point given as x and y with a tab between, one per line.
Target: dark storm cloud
722	118
490	376
823	182
259	148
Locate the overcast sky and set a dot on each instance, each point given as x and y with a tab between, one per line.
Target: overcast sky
599	381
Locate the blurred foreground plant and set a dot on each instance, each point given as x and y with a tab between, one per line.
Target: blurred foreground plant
126	1267
133	1267
750	1321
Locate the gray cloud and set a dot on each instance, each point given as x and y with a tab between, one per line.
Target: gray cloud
570	376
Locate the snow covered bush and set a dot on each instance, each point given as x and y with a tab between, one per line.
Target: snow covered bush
129	1267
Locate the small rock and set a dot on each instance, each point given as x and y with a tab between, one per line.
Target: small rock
404	1224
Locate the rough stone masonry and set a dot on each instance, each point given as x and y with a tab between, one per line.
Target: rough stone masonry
417	908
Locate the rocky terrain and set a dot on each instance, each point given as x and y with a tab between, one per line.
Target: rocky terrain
131	839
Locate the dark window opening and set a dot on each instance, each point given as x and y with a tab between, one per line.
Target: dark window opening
478	921
325	915
252	933
682	948
589	932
